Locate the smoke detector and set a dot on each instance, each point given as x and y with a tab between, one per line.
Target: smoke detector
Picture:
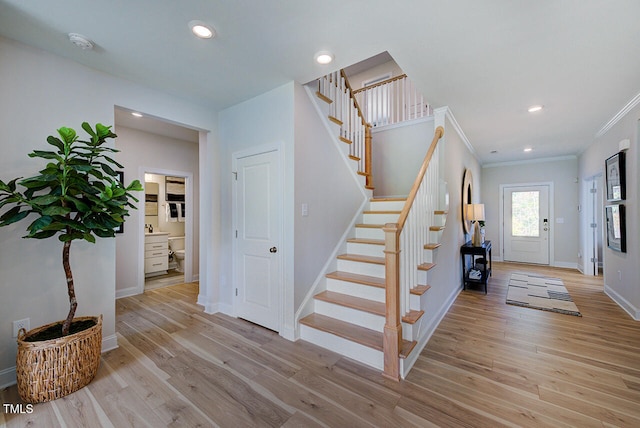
80	41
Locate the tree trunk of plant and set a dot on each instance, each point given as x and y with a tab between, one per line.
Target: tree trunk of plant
72	292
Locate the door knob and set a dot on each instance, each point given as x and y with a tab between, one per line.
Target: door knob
273	250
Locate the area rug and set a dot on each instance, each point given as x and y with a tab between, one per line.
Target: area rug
540	292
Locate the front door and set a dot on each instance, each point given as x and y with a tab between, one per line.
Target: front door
526	224
257	257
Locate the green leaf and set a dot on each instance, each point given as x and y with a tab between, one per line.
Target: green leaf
39	224
89	237
80	206
88	129
106	168
106	194
12	216
56	142
113	161
56	210
68	135
45	155
42	235
135	186
104	131
45	200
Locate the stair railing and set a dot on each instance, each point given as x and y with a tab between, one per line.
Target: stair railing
404	252
392	101
345	111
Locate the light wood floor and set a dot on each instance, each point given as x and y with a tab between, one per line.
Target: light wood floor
488	364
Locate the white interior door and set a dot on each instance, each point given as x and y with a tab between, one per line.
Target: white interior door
257	256
526	224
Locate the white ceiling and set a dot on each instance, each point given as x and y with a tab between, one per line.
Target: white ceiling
488	60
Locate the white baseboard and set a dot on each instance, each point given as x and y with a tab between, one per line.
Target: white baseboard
214	308
622	302
408	363
109	343
8	376
126	292
566	265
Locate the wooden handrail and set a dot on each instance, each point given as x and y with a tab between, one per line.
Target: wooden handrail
416	184
384	82
355	101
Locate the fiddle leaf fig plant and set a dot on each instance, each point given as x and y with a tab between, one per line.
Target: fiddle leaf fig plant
77	196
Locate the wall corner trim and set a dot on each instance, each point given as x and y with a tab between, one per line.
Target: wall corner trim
456	126
622	302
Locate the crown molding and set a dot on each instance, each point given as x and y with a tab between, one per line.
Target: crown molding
456	126
530	161
622	113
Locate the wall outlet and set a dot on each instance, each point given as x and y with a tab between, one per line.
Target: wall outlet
17	325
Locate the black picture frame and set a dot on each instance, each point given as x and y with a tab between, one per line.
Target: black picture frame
120	229
616	227
615	177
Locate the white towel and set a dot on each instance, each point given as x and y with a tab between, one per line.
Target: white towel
180	218
168	214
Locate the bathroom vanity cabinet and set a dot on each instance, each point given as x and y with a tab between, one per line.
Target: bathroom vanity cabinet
156	253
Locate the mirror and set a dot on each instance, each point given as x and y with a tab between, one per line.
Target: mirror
467	192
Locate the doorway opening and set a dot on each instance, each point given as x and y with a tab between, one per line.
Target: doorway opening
593	230
166	254
526	232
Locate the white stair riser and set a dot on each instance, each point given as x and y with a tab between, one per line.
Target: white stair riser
428	256
371	218
357	290
386	205
365	249
339	345
369	233
435	235
353	316
361	268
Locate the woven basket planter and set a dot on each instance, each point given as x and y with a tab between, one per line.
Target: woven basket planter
50	369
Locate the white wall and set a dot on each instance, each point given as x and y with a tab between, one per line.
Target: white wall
40	93
142	151
324	183
263	120
621	270
397	153
563	173
355	80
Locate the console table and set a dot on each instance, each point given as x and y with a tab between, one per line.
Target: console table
477	254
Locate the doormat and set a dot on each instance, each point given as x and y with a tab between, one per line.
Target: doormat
540	292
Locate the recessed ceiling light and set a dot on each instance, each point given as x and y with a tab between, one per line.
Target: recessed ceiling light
528	149
80	41
201	30
136	114
535	108
493	152
323	57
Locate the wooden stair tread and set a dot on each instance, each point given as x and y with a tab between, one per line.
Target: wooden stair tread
387	199
370	226
441	212
426	266
412	317
364	305
432	246
382	212
324	97
345	140
335	120
436	228
366	241
419	290
373	281
360	258
364	336
355	158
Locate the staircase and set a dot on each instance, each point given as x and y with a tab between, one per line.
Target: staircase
354	309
